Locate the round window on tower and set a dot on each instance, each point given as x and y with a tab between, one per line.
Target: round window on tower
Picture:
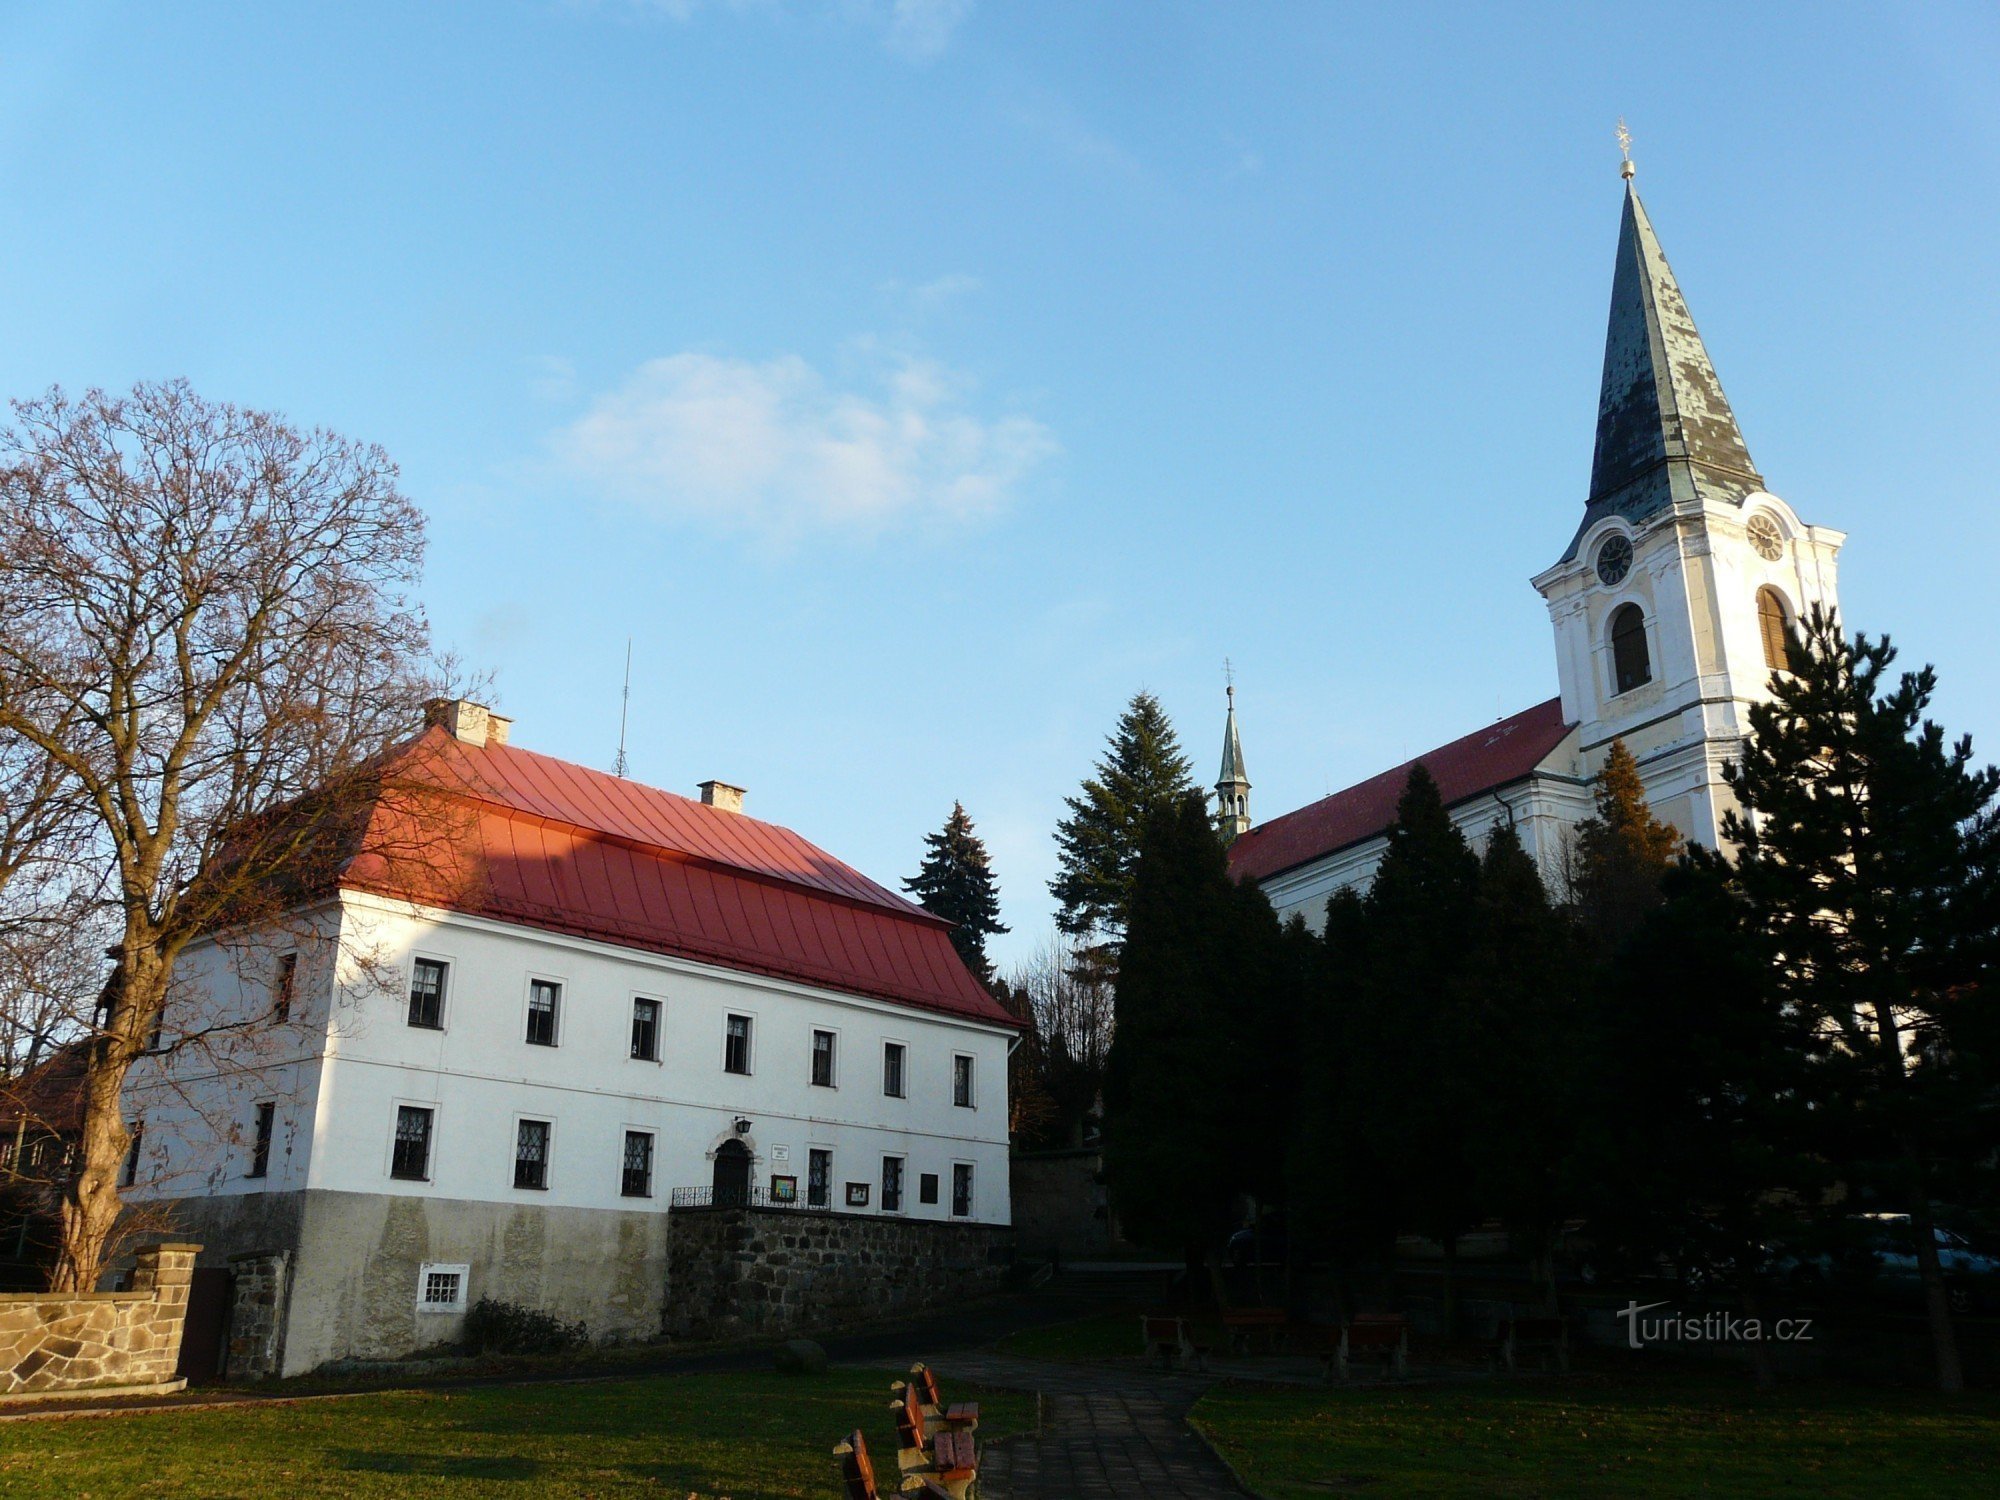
1614	559
1765	537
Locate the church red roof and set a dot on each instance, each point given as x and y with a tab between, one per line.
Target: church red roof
1483	761
526	838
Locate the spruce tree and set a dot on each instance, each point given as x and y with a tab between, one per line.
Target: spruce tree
956	882
1142	772
1619	856
1866	845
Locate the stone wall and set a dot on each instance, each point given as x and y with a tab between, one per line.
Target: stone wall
1061	1210
764	1271
256	1315
52	1342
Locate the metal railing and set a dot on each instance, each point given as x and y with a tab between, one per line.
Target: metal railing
751	1197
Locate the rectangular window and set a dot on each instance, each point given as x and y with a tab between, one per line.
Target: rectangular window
822	1062
892	1069
638	1176
427	980
892	1184
819	1179
927	1187
131	1175
646	1030
736	1045
412	1158
961	1080
961	1190
531	1154
260	1149
544	996
441	1289
282	987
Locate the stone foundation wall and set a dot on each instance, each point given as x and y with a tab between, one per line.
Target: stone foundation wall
51	1342
763	1271
256	1316
1061	1210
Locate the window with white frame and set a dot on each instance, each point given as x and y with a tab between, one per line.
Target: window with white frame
822	1059
637	1179
645	1029
892	1184
411	1157
531	1154
736	1045
894	1058
961	1080
427	984
961	1190
441	1288
544	1001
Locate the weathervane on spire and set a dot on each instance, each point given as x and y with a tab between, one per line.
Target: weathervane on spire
1625	150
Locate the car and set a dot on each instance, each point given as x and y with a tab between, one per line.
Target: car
1882	1261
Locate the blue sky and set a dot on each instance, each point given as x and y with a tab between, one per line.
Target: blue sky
914	379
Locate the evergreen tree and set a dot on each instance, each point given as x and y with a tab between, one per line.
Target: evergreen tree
956	882
1866	847
1142	772
1523	1014
1620	855
1200	1026
1418	1069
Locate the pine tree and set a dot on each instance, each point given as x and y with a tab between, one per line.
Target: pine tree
1142	772
956	882
1620	855
1865	851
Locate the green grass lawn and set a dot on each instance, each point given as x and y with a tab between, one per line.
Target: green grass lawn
1112	1335
747	1437
1599	1435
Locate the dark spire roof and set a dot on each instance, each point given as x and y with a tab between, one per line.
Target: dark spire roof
1665	432
1232	750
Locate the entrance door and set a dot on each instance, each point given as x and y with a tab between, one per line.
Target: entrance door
732	1175
206	1328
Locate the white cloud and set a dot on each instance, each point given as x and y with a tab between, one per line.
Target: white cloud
775	450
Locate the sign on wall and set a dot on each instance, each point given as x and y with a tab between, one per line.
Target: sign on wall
784	1189
857	1194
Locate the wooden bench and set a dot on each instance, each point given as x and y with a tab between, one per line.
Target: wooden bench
959	1414
1242	1326
946	1457
858	1474
1381	1336
1167	1336
1549	1336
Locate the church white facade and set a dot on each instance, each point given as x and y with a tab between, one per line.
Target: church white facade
1669	604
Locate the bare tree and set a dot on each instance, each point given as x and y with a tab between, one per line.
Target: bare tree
207	639
1068	1004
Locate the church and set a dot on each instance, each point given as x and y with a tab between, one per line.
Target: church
1669	603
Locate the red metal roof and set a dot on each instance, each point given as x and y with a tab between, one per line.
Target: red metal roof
1487	759
530	839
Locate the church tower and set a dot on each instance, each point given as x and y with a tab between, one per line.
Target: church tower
1671	602
1232	787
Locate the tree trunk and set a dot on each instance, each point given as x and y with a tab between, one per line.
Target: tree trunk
1937	1304
88	1213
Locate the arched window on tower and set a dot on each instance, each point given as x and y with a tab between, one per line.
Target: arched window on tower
1772	622
1631	664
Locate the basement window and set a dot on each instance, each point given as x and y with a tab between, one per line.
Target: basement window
441	1288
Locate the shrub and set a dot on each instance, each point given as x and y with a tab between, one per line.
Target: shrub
497	1327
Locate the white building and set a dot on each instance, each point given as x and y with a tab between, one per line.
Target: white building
1669	604
542	1006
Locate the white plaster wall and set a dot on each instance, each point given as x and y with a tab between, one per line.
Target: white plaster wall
481	1075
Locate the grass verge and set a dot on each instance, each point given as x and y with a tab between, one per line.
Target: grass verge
1630	1436
741	1436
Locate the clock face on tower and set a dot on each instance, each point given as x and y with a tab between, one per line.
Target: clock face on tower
1614	559
1765	537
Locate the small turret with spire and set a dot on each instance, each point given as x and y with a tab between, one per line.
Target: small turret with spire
1232	787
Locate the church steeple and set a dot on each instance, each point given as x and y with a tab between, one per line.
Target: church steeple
1232	787
1665	431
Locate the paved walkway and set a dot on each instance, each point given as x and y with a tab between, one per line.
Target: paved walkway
1108	1433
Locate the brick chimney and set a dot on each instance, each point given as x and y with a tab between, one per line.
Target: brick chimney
721	794
468	722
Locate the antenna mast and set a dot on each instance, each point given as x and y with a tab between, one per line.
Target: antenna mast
624	706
